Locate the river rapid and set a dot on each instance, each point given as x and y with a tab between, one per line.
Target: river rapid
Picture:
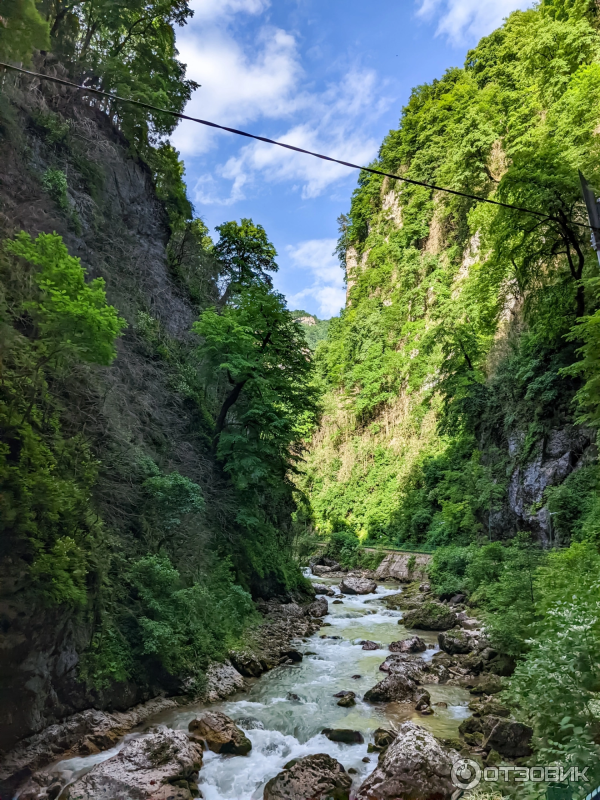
281	727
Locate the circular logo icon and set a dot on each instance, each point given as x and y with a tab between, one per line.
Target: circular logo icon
466	774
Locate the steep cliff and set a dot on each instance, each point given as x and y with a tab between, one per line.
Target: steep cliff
126	555
453	372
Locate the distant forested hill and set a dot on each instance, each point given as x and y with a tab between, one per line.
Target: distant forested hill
315	329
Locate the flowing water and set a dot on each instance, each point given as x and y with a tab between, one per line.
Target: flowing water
281	728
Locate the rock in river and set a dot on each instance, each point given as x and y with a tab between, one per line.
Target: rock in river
319	608
343	735
413	766
357	586
430	617
321	588
397	688
312	778
412	645
456	642
368	645
143	769
220	733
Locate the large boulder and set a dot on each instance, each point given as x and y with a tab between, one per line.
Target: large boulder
223	680
220	733
312	778
456	642
246	663
403	567
321	588
343	735
414	767
399	688
318	608
412	645
321	571
509	738
357	586
430	617
143	769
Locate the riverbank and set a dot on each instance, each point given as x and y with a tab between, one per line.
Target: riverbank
364	666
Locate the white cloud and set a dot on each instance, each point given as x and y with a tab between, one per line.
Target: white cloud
332	126
468	20
213	9
243	82
237	86
316	257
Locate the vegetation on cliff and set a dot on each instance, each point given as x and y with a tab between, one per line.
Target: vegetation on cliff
147	437
462	377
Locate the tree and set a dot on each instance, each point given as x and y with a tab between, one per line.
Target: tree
246	256
22	29
258	368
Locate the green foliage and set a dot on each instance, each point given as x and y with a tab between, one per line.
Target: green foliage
245	255
257	375
183	626
54	182
180	625
22	30
72	316
313	332
51	320
172	496
557	685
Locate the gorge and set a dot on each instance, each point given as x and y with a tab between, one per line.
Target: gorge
182	458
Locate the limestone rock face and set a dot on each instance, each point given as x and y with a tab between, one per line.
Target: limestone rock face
414	767
312	778
142	769
430	617
220	733
403	567
357	586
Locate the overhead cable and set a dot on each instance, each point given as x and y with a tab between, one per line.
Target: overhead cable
148	106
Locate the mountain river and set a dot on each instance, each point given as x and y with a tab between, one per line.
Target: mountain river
281	727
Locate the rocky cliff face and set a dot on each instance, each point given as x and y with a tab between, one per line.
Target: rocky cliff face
114	222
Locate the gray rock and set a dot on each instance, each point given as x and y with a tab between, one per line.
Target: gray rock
319	608
220	733
142	769
357	586
321	588
399	688
509	738
396	566
223	680
414	767
430	617
414	644
344	735
321	571
246	663
368	645
347	701
456	641
317	777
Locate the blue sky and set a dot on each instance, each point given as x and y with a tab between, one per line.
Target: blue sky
326	75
